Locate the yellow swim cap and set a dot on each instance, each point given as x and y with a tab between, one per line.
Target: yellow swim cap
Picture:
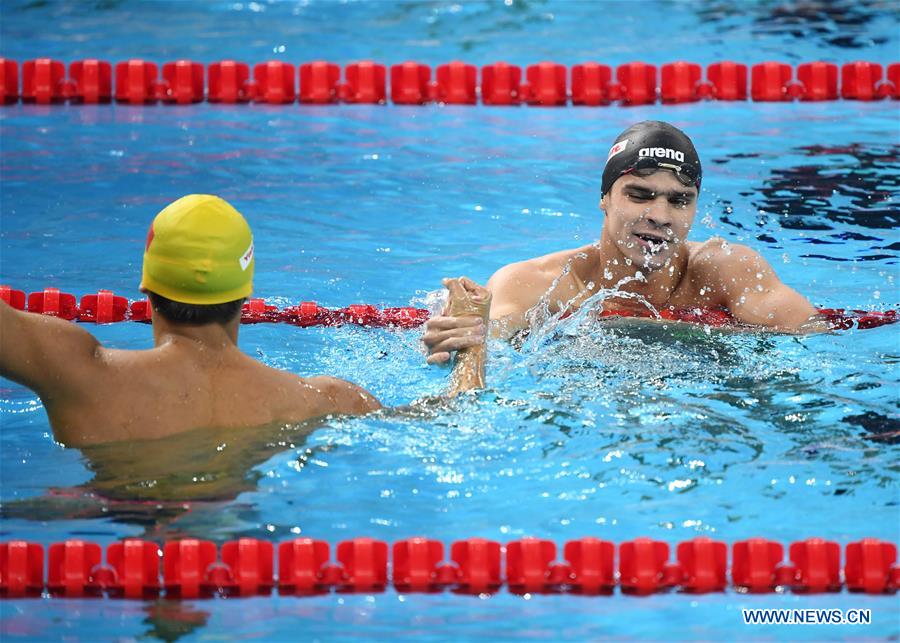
199	251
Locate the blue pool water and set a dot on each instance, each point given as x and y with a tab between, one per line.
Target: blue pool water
586	430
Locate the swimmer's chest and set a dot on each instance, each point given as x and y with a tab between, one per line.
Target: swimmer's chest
572	292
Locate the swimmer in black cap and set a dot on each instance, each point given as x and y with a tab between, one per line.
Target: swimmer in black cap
649	194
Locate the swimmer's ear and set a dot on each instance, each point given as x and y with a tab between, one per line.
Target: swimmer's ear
603	200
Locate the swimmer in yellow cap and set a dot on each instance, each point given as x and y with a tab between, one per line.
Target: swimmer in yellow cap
198	269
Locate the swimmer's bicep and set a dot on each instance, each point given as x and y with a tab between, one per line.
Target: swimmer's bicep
343	397
44	353
512	293
755	295
779	307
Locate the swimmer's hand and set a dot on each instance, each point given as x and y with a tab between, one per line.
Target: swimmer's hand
468	300
462	323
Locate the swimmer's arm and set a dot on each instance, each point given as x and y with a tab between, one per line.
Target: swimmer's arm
342	397
468	300
47	354
446	333
515	291
755	295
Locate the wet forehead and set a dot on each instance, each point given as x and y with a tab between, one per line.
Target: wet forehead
661	182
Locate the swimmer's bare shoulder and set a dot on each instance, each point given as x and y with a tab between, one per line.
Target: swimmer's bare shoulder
519	286
332	395
738	278
51	356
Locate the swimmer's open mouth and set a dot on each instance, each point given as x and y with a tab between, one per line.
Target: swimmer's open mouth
650	241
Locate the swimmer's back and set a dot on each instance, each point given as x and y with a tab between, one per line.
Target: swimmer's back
95	395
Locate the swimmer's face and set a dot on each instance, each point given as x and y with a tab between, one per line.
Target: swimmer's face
649	217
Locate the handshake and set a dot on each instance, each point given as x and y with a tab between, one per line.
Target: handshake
461	327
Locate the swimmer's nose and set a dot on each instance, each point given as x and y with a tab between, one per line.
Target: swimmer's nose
658	214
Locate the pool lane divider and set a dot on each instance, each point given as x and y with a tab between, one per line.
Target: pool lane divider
190	568
547	84
105	307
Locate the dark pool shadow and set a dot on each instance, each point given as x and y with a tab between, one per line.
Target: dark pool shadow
172	620
154	484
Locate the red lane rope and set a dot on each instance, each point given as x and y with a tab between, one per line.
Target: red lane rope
196	569
105	307
138	82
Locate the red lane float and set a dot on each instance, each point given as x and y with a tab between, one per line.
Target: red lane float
182	82
301	566
363	565
90	82
860	80
410	84
43	81
249	563
9	81
21	569
477	566
365	83
105	307
680	82
703	565
591	84
816	566
457	84
545	83
726	81
319	82
52	302
500	84
416	563
869	566
636	84
818	80
71	569
754	564
892	87
590	566
229	82
137	82
770	82
274	82
135	569
191	568
643	566
15	298
186	565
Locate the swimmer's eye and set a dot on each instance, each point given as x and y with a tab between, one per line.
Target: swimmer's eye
641	196
680	202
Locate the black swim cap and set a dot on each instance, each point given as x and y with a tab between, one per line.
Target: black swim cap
653	144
